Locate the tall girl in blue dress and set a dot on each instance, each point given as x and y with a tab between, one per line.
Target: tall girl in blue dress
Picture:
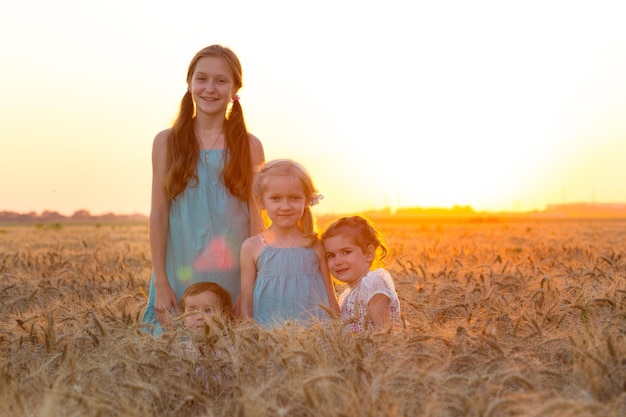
283	273
202	175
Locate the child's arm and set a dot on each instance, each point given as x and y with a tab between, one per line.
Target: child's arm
328	281
248	276
379	310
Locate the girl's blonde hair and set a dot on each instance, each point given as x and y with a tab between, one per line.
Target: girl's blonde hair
289	168
183	148
360	231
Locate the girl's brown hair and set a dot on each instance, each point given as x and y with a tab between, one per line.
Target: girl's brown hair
183	148
360	230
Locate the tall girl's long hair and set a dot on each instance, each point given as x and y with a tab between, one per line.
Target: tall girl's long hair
183	148
289	168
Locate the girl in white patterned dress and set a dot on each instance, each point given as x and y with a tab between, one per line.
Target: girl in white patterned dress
370	302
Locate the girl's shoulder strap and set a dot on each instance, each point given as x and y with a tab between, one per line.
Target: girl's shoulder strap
262	239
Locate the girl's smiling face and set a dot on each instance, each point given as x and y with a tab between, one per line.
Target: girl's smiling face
284	200
211	85
347	261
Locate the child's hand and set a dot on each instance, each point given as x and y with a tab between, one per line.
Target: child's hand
165	305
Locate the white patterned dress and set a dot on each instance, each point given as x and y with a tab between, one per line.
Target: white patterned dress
353	301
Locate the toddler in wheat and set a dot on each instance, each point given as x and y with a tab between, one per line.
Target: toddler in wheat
283	273
199	303
203	299
370	302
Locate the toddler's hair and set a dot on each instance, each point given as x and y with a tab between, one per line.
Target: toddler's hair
360	230
287	167
200	287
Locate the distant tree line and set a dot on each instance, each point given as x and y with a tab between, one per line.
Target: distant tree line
48	216
569	210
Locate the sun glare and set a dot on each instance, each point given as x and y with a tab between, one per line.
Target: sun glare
442	106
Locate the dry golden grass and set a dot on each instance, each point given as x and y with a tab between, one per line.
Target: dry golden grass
503	319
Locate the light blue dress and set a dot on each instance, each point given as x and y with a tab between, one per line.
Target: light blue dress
207	226
288	286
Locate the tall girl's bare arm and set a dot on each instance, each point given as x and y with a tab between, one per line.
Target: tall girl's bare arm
165	299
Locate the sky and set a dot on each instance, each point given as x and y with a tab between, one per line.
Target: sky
500	105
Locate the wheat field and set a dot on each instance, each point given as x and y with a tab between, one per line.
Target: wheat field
503	318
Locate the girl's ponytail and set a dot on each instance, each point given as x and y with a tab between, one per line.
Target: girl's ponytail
238	171
182	150
307	224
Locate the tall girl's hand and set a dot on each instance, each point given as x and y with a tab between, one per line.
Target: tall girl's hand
165	304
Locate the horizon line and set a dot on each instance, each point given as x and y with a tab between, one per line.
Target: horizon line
468	209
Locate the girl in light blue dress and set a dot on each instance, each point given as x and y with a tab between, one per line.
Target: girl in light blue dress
203	169
283	273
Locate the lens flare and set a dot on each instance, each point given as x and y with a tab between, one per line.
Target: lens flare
215	256
184	273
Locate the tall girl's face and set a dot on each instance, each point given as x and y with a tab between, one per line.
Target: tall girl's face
212	86
284	200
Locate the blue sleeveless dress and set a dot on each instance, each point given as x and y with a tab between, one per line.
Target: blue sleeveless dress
288	286
207	226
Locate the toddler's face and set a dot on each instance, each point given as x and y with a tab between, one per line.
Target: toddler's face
203	304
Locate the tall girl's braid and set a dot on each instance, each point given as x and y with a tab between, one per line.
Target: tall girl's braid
181	164
184	125
237	172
